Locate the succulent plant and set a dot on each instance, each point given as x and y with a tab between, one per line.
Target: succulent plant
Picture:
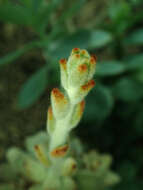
67	104
62	165
77	170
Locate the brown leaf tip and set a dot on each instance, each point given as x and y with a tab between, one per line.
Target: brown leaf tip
74	166
57	94
60	151
82	105
92	60
38	150
88	85
36	147
94	57
50	113
63	63
75	50
82	68
83	52
77	56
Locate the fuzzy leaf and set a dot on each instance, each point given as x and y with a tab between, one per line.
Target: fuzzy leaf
87	179
37	139
23	164
111	178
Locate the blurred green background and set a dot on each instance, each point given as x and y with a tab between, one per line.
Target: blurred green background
35	34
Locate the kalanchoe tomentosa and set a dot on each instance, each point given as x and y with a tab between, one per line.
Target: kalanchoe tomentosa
67	107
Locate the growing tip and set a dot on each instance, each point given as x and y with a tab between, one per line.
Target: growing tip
75	50
83	52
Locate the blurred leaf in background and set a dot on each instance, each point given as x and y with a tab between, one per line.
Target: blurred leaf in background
103	104
99	38
33	88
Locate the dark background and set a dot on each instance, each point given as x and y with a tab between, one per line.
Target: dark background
34	35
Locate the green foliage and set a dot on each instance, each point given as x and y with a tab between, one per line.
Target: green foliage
14	55
113	116
127	89
23	168
103	104
33	88
99	38
134	62
16	14
135	38
79	39
60	40
110	68
129	171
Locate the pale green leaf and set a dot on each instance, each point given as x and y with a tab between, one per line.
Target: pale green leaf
37	139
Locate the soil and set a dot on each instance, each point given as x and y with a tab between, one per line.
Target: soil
16	124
